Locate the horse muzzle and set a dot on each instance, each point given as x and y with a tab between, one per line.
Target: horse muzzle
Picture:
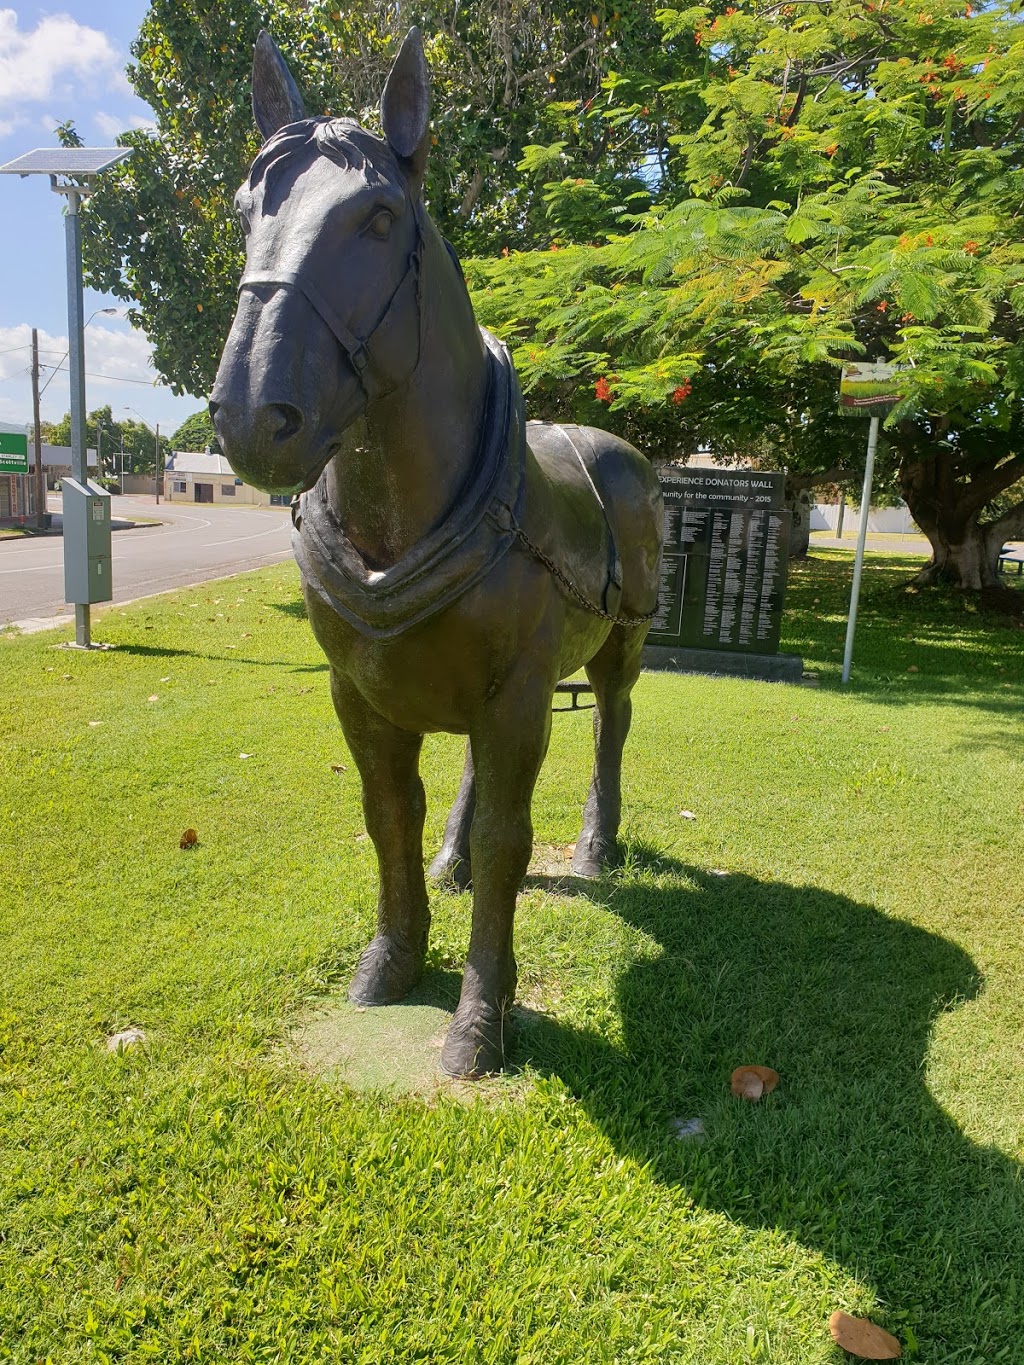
269	445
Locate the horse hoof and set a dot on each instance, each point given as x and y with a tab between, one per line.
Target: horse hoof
451	872
591	860
386	973
475	1046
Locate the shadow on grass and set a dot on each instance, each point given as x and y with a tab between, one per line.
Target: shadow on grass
851	1155
295	609
932	644
167	652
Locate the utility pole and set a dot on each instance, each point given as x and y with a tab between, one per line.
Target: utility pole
159	471
40	479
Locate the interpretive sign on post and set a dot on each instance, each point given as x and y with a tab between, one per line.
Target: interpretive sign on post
726	551
13	452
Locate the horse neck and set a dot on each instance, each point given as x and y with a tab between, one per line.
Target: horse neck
402	465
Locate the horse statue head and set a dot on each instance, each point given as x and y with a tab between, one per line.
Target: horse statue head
330	312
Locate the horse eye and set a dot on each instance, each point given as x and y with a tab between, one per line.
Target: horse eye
380	224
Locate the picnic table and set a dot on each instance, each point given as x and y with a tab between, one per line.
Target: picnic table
1010	554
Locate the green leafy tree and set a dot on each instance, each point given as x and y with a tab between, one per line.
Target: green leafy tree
109	436
848	182
196	433
160	232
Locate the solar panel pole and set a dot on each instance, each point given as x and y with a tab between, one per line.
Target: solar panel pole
86	544
76	365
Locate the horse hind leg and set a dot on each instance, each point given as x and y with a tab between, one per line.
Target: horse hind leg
394	807
612	673
453	866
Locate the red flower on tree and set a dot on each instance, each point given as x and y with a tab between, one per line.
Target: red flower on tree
603	390
971	248
681	393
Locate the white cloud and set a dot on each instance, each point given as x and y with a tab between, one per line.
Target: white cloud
43	63
112	125
118	364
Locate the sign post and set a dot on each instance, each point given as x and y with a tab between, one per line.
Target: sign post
875	389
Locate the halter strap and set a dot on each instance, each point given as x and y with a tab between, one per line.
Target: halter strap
357	349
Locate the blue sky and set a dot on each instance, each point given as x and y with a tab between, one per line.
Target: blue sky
58	62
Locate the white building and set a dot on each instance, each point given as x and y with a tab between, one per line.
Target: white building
192	477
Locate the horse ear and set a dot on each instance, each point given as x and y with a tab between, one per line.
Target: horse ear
405	106
275	96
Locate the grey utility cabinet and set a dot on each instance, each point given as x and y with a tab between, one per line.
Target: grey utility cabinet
86	542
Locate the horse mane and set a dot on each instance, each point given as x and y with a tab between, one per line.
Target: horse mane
343	140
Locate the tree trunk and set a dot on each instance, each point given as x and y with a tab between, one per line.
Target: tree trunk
965	553
799	502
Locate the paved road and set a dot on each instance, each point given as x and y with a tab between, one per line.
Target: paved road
190	545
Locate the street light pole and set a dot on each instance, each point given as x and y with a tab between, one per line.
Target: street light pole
87	556
76	365
158	471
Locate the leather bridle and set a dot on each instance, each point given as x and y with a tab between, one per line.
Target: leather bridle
359	350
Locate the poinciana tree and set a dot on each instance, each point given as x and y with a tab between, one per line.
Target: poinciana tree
847	180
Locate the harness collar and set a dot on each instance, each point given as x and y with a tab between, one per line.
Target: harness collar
449	560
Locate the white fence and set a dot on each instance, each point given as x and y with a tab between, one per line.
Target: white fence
884	521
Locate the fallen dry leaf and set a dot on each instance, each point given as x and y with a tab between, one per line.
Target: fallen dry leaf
245	755
913	669
167	679
338	768
189	839
304	689
862	1337
687	815
95	722
154	697
751	1082
360	837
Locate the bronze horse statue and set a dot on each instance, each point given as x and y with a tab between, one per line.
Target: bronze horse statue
456	561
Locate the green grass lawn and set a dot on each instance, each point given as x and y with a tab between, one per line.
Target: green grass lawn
203	1199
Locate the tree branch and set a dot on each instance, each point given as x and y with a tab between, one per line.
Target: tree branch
1010	526
983	490
555	66
834	475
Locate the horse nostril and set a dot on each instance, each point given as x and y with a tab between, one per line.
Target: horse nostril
283	420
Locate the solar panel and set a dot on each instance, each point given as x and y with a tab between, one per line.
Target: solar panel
66	161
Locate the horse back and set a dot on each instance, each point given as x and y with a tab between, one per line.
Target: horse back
606	505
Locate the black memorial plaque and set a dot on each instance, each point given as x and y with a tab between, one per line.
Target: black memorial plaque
726	552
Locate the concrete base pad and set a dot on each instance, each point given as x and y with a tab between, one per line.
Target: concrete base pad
392	1049
766	667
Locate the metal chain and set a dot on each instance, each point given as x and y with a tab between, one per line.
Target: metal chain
571	587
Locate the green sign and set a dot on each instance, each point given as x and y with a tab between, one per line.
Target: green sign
13	452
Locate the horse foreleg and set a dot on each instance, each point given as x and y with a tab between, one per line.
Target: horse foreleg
452	866
393	807
612	673
508	748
